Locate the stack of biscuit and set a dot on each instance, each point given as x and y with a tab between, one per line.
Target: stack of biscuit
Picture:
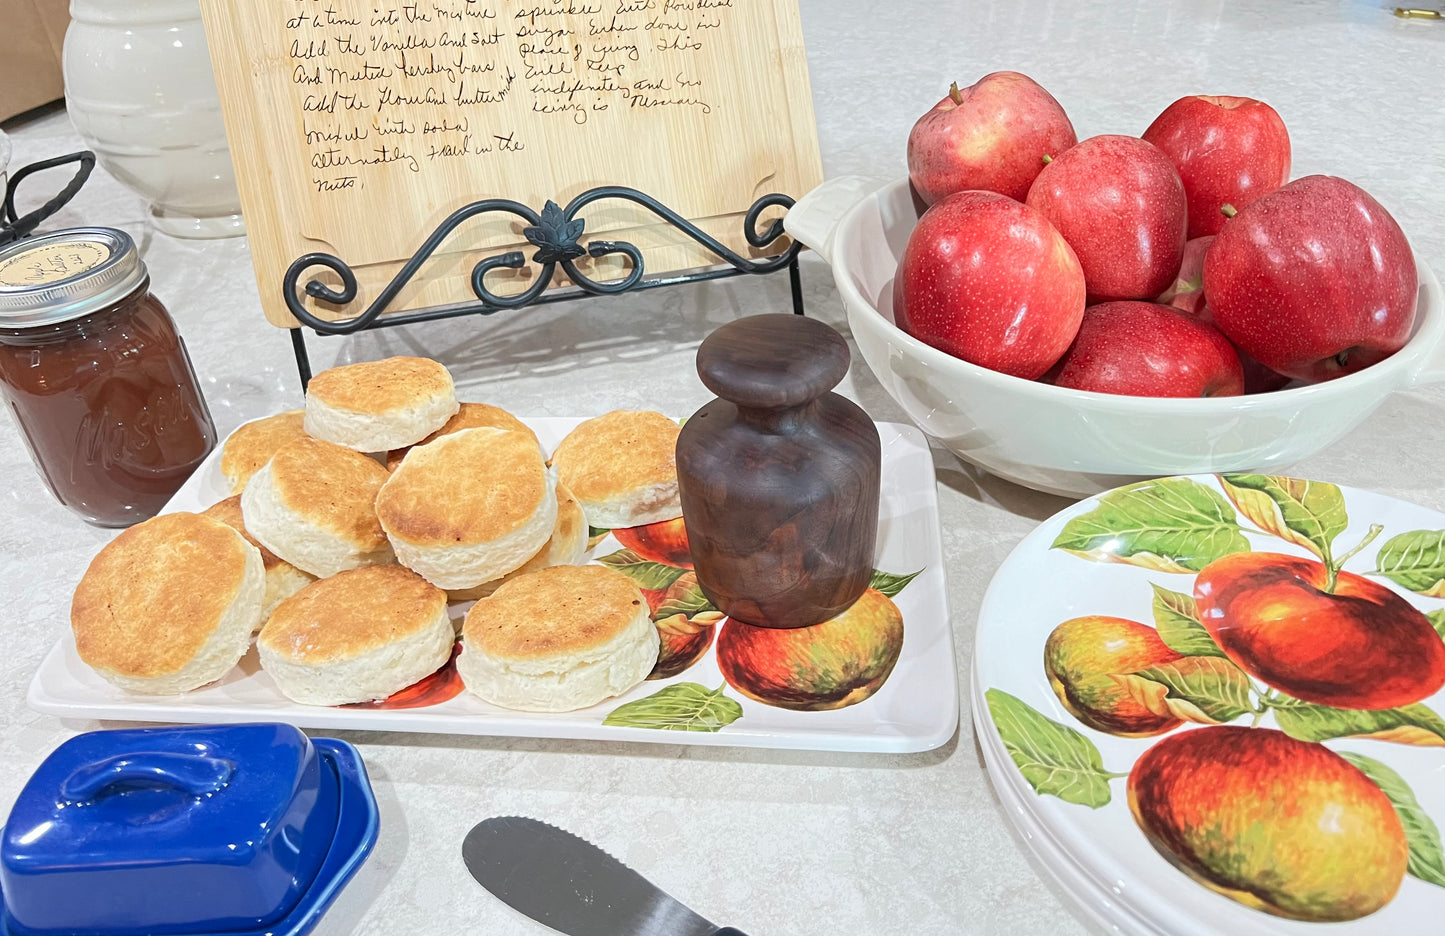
351	526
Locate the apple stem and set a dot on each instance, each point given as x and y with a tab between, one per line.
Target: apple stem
1259	717
1048	159
1228	211
1335	566
954	93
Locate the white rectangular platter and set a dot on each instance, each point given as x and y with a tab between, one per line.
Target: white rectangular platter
914	709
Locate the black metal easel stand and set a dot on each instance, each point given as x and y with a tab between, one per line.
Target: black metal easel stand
556	233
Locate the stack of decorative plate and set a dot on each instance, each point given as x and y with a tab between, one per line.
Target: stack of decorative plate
1211	705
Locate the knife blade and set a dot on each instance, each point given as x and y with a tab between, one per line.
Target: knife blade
571	885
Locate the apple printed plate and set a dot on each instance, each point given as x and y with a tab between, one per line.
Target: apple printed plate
861	682
1213	704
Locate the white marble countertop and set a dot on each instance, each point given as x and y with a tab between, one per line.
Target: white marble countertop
774	842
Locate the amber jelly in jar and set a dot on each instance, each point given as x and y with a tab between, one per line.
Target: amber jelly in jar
96	377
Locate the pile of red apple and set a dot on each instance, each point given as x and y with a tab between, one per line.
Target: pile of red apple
1182	263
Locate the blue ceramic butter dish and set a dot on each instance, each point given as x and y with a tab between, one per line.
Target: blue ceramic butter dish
184	831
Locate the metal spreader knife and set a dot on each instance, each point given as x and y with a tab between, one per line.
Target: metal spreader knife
571	885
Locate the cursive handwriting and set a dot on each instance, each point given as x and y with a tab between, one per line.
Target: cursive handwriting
388	86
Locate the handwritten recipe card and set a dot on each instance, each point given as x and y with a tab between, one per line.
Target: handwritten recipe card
357	126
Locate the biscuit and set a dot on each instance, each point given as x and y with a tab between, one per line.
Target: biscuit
169	605
470	416
251	446
358	636
557	640
282	578
314	506
376	406
568	546
469	507
622	468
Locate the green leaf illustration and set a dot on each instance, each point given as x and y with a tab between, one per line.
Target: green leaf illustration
1413	724
1170	525
1208	690
1415	561
1437	620
679	707
653	576
691	601
594	532
1427	862
1177	620
1055	759
890	584
1307	513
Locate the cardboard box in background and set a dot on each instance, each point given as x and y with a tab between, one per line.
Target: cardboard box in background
33	31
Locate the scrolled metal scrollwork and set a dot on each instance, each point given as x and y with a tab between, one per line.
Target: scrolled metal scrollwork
557	234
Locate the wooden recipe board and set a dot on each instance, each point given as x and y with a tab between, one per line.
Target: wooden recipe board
357	126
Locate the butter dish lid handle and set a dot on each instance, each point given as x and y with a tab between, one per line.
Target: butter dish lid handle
193	774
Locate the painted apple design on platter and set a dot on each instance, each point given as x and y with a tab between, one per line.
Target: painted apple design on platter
664	542
832	665
1285	826
1250	677
686	622
1350	642
1082	656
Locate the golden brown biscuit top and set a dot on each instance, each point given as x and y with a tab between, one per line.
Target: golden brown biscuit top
331	486
228	512
380	386
611	455
153	596
467	488
251	446
470	416
561	610
352	613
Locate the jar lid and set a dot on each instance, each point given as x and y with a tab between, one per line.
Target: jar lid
63	275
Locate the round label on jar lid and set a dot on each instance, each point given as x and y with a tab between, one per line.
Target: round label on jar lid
51	263
65	275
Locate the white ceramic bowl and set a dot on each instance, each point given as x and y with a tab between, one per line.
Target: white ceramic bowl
1074	442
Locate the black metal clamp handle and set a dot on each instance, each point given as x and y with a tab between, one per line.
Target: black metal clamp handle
556	232
13	226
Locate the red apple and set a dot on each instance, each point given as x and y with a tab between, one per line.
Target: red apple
1119	203
987	279
1187	294
1147	349
1228	150
1314	280
1348	643
992	136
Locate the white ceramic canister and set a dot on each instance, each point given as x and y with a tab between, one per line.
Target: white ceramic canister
140	91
